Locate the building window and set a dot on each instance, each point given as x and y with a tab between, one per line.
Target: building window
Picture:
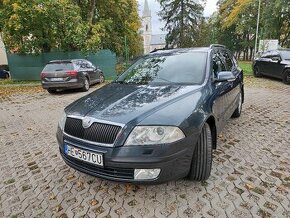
146	27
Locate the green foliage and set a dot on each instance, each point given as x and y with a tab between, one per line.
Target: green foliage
37	26
182	18
247	67
238	19
33	27
120	18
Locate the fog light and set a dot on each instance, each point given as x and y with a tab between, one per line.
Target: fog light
144	174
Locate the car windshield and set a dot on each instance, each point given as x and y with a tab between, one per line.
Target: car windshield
179	68
285	55
61	66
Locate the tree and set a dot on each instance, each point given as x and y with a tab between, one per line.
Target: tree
41	26
182	18
36	26
120	19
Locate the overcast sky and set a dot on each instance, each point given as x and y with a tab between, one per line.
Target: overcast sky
155	7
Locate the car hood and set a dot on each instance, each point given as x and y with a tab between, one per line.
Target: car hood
122	103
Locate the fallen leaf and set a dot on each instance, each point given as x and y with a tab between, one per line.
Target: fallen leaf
94	202
70	177
248	186
52	196
58	208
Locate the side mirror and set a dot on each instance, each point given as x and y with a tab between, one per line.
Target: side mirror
276	58
225	76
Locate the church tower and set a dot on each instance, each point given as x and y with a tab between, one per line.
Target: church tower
146	28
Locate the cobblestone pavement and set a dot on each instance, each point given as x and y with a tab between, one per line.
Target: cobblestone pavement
250	176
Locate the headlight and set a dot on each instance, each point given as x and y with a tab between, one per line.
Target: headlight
62	120
149	135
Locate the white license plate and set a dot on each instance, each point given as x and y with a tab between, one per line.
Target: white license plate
56	79
86	156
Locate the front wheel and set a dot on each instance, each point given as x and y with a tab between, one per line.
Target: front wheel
286	77
102	78
86	85
202	157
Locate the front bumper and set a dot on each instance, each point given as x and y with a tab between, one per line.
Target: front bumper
173	159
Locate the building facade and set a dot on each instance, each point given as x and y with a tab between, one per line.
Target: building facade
150	42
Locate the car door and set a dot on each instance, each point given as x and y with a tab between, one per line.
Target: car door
234	85
90	71
220	90
275	65
263	63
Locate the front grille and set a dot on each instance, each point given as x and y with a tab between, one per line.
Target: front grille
108	172
97	132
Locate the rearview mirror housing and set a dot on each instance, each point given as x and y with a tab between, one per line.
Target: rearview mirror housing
225	76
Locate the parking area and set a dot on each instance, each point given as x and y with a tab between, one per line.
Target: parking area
250	175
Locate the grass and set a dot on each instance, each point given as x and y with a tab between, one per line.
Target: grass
19	82
247	67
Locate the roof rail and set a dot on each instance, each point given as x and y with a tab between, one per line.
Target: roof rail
160	49
217	45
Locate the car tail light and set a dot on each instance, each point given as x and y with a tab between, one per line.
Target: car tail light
43	75
71	73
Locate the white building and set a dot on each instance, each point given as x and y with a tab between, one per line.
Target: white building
3	57
151	42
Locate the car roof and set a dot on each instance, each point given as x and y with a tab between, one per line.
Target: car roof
185	50
66	61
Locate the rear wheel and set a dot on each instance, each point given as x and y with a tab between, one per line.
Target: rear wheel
257	72
6	76
238	111
202	157
51	91
86	85
286	77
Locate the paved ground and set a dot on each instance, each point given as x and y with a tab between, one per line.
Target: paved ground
250	176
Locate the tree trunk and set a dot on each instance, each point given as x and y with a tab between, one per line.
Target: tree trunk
92	11
182	25
251	53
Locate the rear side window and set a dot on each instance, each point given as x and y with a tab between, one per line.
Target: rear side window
61	66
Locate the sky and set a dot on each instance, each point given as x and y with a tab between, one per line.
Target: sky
155	7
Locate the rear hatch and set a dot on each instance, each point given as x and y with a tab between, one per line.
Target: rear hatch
58	71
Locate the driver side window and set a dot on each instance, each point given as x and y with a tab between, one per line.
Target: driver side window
218	64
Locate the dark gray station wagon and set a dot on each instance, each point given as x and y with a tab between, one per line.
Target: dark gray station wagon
158	121
70	74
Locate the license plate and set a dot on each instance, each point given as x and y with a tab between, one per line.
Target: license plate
86	156
56	79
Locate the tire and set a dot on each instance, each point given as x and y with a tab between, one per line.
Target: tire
202	157
102	78
52	91
6	76
257	72
286	77
86	85
237	113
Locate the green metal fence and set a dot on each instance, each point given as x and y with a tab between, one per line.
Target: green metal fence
29	67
